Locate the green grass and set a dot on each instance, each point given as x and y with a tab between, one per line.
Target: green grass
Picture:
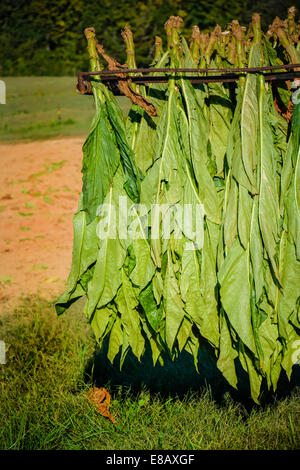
44	406
46	107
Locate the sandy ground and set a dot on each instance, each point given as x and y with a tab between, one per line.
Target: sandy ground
40	183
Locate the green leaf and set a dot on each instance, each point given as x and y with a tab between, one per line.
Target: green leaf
74	291
227	353
249	120
111	255
100	162
127	303
245	202
163	181
173	304
132	183
102	323
220	119
144	269
268	205
153	311
230	209
145	143
197	134
184	332
115	340
289	296
254	376
235	293
196	293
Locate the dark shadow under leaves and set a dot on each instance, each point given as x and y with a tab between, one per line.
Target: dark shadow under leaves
179	377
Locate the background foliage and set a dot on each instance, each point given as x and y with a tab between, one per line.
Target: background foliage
44	37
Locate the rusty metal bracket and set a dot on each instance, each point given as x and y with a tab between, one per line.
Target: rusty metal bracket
83	87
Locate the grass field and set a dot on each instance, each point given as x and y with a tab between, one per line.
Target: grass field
51	364
45	107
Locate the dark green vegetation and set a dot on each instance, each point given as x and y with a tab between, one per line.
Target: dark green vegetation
43	107
44	384
42	37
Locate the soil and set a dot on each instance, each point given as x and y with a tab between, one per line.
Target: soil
40	183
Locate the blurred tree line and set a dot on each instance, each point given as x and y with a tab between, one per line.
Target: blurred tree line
44	37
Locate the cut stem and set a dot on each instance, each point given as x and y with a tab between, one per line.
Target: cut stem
130	60
195	44
158	48
277	28
213	38
95	63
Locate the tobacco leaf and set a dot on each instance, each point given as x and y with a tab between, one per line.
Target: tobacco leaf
124	85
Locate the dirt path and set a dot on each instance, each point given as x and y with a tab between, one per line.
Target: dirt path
40	183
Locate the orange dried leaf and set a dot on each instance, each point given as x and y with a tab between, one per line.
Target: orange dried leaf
124	85
101	399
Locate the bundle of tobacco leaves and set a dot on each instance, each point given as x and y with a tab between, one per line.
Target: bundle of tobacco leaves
187	232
